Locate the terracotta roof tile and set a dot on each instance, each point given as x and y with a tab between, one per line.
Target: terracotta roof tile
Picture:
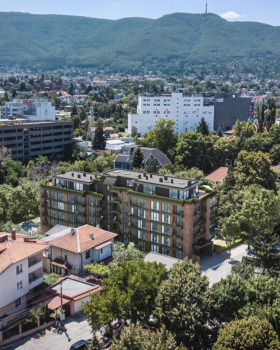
13	251
81	241
218	175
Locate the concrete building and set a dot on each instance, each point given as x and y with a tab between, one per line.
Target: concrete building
162	214
27	140
185	110
71	249
21	270
30	109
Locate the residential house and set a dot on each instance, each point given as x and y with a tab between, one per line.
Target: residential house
21	270
70	249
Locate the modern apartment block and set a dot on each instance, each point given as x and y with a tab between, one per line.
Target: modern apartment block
28	140
21	270
185	110
31	109
163	214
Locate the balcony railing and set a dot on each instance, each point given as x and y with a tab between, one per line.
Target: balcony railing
34	277
34	262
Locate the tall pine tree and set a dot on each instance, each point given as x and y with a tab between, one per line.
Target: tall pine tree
99	141
137	159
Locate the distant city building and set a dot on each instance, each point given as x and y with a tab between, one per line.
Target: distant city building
28	140
162	214
186	110
124	160
31	109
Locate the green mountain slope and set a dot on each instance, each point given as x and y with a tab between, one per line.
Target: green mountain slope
128	43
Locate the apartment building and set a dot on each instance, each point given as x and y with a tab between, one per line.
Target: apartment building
185	110
31	109
21	270
27	140
162	214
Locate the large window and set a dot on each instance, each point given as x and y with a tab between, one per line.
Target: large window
53	213
154	205
166	218
154	226
71	198
154	248
165	240
53	204
154	238
60	196
61	215
154	216
78	186
165	230
60	205
166	208
53	195
149	189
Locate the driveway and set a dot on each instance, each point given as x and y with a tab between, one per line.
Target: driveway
76	328
216	267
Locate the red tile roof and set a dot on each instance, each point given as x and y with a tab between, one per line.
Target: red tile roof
218	175
13	251
81	240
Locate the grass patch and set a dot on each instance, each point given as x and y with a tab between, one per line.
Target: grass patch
226	245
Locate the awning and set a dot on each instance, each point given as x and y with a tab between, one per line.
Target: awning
55	303
103	245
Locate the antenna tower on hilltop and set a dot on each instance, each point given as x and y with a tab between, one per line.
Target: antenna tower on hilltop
206	8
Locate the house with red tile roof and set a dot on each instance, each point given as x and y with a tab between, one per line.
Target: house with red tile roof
218	175
71	249
21	270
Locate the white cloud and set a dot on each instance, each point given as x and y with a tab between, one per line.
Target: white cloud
232	15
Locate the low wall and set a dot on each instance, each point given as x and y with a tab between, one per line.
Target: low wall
22	335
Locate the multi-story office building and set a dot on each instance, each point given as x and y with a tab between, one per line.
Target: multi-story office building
163	214
31	109
28	140
185	110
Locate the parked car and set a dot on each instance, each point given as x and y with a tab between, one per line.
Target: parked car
80	345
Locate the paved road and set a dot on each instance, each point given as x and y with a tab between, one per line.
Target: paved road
76	328
216	267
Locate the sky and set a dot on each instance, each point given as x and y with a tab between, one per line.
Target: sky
233	10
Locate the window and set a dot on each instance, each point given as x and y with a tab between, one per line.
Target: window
80	199
130	183
60	205
141	235
52	194
166	219
178	255
166	240
78	186
165	251
60	196
71	198
165	230
19	285
154	248
154	205
154	216
61	215
53	213
87	254
65	257
154	226
19	269
18	302
154	238
90	200
173	194
53	222
71	217
149	189
53	204
165	208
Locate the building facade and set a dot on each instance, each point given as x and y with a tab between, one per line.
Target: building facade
163	214
185	110
31	109
21	270
27	140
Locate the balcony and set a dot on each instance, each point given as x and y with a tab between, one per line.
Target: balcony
115	198
34	263
35	279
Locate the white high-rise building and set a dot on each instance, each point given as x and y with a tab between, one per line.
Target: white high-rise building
185	110
31	109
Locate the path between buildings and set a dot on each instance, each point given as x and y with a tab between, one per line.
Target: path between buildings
217	266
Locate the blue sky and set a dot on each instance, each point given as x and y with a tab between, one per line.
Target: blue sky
235	10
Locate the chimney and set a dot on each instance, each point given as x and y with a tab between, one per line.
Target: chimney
84	174
91	235
151	175
72	232
160	179
139	176
172	181
13	234
72	174
165	178
4	238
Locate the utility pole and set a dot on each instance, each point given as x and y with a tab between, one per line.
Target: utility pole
61	304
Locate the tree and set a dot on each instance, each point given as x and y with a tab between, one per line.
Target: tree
203	127
135	338
152	166
260	115
226	150
162	137
251	334
51	279
133	131
74	111
128	295
126	253
183	304
137	159
219	132
255	168
270	113
244	130
99	140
